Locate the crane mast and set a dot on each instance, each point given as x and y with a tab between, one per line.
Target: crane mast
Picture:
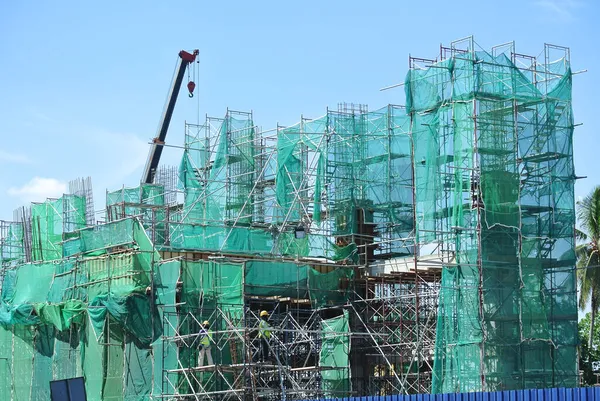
185	59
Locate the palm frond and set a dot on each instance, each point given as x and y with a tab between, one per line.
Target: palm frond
580	235
588	214
582	253
588	276
588	259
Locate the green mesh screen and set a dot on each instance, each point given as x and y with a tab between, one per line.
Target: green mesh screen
11	245
145	202
51	223
494	181
87	315
479	163
297	281
334	354
329	170
217	173
165	351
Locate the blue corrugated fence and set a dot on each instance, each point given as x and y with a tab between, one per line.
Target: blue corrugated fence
550	394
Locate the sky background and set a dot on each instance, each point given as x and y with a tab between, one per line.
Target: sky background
82	85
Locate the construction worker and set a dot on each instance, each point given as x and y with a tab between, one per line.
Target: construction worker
264	333
205	336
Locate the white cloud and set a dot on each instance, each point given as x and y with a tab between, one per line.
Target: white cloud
559	10
13	158
38	189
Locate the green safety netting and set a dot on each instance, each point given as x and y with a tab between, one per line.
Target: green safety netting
165	352
487	148
49	220
218	176
335	354
347	165
276	279
297	281
330	169
88	315
507	307
11	247
208	286
145	202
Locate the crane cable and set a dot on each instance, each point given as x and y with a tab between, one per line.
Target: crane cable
196	77
190	82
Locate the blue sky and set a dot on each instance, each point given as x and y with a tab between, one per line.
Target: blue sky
82	84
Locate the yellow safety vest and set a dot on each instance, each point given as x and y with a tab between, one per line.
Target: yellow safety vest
206	337
264	330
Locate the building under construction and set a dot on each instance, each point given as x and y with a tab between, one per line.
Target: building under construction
411	249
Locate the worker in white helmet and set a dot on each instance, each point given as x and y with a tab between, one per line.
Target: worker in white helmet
205	337
264	333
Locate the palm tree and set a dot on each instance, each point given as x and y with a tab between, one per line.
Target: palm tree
588	255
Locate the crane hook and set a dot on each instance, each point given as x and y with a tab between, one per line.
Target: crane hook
191	86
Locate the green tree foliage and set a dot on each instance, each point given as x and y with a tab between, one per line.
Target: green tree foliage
588	255
588	355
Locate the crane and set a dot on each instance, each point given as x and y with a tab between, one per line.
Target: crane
185	59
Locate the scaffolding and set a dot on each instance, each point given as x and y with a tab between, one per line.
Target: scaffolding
295	371
500	125
409	249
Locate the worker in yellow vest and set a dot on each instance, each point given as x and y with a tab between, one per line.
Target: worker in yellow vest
205	336
264	333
